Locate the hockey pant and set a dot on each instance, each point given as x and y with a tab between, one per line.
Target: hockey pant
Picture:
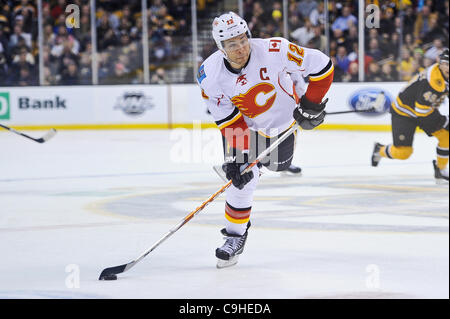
403	130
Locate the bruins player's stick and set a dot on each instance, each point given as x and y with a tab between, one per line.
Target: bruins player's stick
376	106
111	272
42	139
352	111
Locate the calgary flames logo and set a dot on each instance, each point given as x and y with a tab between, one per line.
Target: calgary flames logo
257	100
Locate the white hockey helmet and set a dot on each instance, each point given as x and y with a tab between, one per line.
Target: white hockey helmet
227	26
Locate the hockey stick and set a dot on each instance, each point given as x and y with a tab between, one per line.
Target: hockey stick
111	272
352	111
43	139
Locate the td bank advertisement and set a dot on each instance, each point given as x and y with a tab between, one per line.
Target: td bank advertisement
83	105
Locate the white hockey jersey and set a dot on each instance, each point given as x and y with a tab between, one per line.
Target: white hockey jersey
263	91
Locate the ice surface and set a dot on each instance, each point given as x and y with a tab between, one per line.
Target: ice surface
87	200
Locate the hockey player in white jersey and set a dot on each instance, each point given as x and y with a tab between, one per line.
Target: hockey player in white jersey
255	91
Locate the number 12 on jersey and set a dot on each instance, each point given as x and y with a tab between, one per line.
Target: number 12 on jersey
298	51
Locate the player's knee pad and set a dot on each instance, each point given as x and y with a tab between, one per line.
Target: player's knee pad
400	152
443	137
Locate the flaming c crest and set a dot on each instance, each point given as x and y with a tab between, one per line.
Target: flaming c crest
256	100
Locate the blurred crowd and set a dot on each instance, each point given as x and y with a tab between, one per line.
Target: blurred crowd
410	36
67	49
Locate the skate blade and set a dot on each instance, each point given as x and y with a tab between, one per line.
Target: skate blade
441	181
291	174
227	263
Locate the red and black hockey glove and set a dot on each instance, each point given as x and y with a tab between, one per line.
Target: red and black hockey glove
233	167
309	114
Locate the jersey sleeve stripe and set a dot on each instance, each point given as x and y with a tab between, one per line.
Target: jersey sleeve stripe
323	73
228	118
423	107
228	123
404	109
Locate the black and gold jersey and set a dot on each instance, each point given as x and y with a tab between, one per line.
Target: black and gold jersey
423	94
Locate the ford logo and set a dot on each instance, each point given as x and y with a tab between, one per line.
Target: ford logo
375	100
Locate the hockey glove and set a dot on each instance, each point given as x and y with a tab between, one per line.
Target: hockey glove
233	169
309	114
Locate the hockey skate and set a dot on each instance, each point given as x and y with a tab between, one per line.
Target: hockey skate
293	170
441	176
228	254
376	157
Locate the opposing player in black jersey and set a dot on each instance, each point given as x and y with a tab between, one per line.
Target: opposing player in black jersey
418	106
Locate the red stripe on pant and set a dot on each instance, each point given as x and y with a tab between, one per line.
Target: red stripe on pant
237	215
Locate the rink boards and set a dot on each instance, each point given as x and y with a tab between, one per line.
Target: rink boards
168	106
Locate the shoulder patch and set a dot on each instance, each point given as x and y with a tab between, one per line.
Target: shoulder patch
201	75
274	45
436	79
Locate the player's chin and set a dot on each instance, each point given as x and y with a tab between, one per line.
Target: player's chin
243	59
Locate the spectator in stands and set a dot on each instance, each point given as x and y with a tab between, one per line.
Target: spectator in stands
26	77
3	69
443	20
344	21
305	7
18	33
434	52
353	57
304	34
406	67
338	72
340	38
294	22
408	42
3	41
351	38
392	46
352	74
418	54
374	74
422	23
317	15
409	20
120	75
23	59
58	9
159	77
319	41
387	22
342	59
435	31
388	73
70	75
374	50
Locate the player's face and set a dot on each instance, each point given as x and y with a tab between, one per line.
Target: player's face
237	50
444	69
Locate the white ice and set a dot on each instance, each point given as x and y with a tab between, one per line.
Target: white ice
87	200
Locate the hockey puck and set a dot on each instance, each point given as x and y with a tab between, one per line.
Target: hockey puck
109	277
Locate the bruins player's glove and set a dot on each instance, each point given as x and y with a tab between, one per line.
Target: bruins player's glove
309	114
233	169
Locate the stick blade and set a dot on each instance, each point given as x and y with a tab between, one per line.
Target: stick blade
47	136
112	271
379	102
